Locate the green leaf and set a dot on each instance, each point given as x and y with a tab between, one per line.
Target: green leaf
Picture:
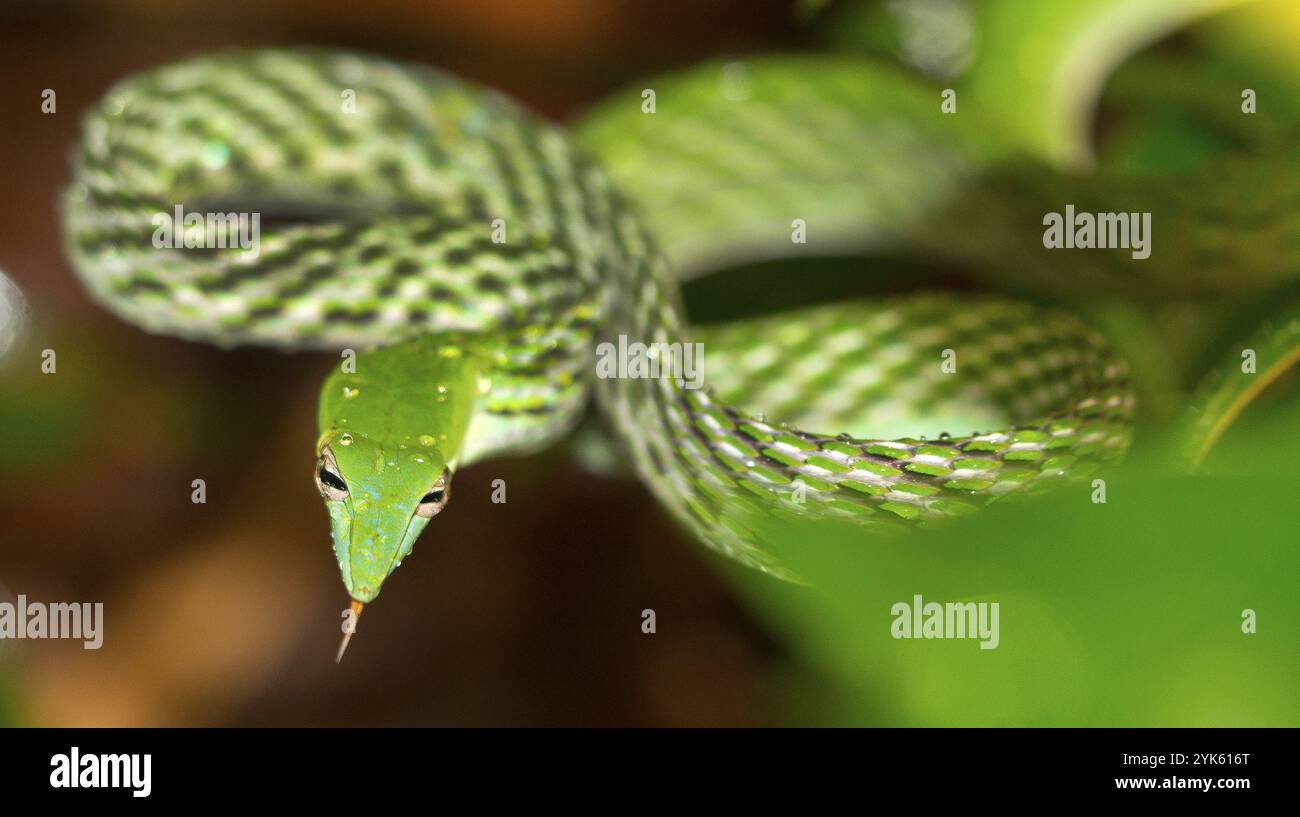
1241	377
1124	613
1041	66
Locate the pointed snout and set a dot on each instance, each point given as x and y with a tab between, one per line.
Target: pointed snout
379	540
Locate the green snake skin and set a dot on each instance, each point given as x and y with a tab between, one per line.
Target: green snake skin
378	227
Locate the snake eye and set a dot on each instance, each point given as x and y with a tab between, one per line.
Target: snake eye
436	499
332	480
328	481
433	496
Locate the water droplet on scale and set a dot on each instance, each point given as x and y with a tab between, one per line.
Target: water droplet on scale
427	440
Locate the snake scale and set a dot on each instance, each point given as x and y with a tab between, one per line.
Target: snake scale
474	256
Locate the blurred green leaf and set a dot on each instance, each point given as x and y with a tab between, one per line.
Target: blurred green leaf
1040	66
1126	613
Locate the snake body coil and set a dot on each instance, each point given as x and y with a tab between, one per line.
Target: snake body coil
382	226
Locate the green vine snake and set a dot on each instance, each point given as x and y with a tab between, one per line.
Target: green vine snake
475	256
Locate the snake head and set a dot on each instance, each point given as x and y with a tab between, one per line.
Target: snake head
379	498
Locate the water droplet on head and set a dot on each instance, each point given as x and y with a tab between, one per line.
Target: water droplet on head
427	440
346	439
349	392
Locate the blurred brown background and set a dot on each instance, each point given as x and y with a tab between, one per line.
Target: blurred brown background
228	613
